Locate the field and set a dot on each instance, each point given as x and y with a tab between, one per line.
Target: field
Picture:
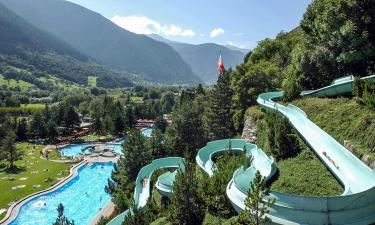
27	179
91	81
59	83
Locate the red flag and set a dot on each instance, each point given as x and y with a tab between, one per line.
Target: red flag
220	65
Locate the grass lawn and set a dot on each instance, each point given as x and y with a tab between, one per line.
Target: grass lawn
24	177
344	119
38	106
91	81
135	99
304	174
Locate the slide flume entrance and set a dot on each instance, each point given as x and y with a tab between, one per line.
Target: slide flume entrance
355	206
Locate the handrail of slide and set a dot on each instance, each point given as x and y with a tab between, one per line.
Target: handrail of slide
355	206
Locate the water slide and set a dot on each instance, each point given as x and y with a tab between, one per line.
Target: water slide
356	205
142	190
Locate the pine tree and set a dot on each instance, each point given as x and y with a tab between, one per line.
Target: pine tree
187	130
135	156
52	130
187	206
71	118
156	144
219	115
61	218
37	126
160	124
9	152
256	206
130	120
21	130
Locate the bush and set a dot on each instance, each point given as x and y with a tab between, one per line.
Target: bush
276	137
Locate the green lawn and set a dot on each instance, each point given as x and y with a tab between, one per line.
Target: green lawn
30	163
91	81
39	106
344	119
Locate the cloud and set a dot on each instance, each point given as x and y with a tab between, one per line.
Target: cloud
143	25
236	45
216	32
238	34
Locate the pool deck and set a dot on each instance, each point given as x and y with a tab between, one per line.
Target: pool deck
106	211
15	207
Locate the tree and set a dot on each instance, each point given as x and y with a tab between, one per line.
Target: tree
187	130
37	126
119	119
156	144
160	124
219	112
71	118
9	151
275	136
52	130
186	205
130	120
339	39
256	206
108	124
167	102
135	156
21	130
61	218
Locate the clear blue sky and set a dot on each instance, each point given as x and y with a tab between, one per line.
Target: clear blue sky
239	22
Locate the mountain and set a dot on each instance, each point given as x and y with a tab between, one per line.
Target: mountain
99	38
203	58
29	54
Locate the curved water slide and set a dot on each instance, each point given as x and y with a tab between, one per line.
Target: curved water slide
142	189
355	206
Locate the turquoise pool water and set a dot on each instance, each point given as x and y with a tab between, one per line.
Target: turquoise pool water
76	149
82	197
147	132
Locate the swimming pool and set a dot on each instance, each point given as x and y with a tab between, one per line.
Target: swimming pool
82	197
76	149
147	132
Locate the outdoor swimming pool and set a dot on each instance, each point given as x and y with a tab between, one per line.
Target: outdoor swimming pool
76	149
82	197
147	132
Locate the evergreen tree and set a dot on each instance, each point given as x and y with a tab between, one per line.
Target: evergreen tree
167	102
9	152
97	123
130	120
277	137
21	130
52	130
71	118
135	156
219	113
187	206
187	130
108	124
37	126
61	218
47	113
160	124
256	206
156	144
119	119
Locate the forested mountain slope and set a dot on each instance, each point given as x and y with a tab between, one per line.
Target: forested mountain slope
27	53
99	38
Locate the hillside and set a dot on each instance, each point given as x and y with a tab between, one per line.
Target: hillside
28	54
345	120
203	58
99	38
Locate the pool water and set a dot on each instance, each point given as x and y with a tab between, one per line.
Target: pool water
76	149
147	132
82	197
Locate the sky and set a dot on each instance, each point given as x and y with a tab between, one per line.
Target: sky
242	23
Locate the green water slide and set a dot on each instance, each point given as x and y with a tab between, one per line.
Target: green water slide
356	205
142	185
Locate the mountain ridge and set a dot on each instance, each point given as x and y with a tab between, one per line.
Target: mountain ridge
99	38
